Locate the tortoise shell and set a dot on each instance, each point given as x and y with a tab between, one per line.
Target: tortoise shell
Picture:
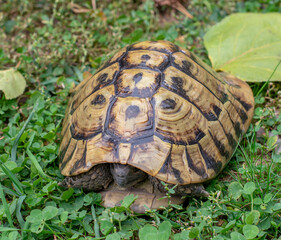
159	108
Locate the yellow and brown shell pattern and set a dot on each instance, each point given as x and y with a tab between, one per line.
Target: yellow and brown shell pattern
159	108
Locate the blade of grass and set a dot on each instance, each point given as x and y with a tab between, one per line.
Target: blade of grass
96	224
6	207
10	191
7	229
18	211
15	145
13	178
266	83
174	224
36	164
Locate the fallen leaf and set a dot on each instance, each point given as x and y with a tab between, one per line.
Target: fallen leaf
12	83
247	45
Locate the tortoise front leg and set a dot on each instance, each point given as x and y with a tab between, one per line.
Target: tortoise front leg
96	179
182	190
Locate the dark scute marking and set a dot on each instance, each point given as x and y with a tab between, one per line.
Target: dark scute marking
165	64
163	50
63	151
242	115
210	116
136	142
247	106
186	66
79	163
169	140
177	83
237	129
168	104
167	167
199	136
72	129
145	57
224	97
220	147
201	172
102	78
137	77
132	111
217	110
72	108
79	136
210	161
100	99
231	140
68	159
109	117
194	59
177	174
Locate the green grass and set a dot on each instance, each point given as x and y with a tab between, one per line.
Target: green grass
53	47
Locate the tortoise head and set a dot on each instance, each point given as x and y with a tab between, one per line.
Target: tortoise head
125	175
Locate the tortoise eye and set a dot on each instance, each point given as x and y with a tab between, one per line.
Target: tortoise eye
168	104
100	99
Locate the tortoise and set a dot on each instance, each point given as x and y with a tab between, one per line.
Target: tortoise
153	112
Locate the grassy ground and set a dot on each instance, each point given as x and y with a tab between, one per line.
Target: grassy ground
53	46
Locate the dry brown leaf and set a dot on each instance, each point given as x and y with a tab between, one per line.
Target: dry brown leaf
174	4
94	5
78	9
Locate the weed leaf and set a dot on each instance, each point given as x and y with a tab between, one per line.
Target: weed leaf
235	190
128	200
237	236
250	231
149	232
253	217
49	212
249	188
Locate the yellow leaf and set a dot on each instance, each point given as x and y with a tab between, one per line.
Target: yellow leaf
12	83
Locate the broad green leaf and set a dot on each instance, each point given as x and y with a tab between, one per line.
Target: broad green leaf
128	200
235	190
67	194
276	157
148	232
249	188
250	231
237	236
182	236
253	217
258	201
277	207
267	197
113	236
106	227
271	142
247	45
164	230
50	212
12	83
194	232
64	216
36	227
35	216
